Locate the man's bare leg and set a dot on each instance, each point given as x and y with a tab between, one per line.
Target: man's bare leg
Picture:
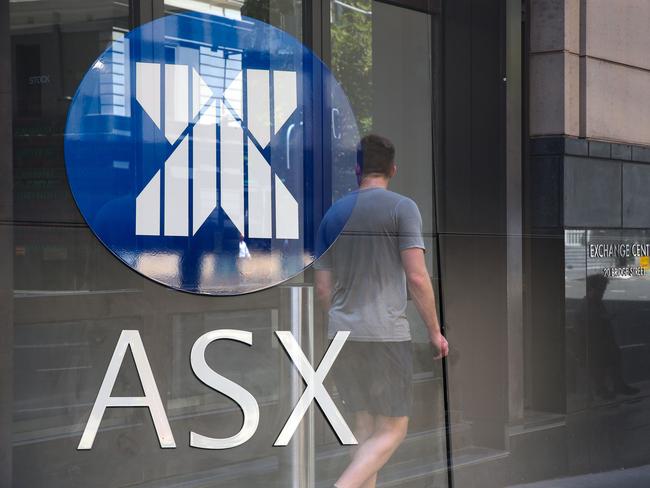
364	427
371	455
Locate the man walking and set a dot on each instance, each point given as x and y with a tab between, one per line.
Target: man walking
362	281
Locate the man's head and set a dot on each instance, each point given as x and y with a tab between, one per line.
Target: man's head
376	157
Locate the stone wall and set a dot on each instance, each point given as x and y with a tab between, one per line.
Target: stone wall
590	69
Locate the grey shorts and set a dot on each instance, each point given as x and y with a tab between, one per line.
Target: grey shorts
376	377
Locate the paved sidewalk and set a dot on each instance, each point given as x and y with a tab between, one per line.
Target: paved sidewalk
623	478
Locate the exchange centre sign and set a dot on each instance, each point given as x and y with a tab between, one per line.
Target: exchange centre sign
632	258
619	250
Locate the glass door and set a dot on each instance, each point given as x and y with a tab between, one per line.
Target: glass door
382	55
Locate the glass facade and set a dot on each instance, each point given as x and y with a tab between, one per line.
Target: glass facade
63	344
543	304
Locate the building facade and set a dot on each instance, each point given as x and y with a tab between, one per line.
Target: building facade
521	133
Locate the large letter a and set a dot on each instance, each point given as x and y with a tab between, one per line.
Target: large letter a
151	398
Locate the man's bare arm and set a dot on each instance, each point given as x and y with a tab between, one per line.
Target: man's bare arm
421	290
323	281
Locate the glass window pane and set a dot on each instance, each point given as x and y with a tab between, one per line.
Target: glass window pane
71	298
284	14
381	54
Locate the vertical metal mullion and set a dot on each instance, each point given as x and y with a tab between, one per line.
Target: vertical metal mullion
310	447
514	206
7	376
315	27
325	32
143	11
302	448
157	8
527	220
437	110
297	446
445	384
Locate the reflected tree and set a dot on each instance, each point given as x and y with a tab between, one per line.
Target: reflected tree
351	34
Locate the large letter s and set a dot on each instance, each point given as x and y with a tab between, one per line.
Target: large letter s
243	398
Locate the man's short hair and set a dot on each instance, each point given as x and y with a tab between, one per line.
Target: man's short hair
377	155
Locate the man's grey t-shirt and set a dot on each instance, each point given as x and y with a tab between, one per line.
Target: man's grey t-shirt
369	283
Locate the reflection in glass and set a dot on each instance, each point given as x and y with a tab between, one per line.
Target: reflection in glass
617	284
72	298
284	14
605	357
373	45
606	293
362	283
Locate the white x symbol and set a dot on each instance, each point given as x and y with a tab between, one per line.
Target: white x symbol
314	389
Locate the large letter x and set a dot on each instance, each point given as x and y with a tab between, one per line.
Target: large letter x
315	389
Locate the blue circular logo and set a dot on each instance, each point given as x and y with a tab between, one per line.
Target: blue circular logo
203	152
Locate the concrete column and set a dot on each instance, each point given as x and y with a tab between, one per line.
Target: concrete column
554	67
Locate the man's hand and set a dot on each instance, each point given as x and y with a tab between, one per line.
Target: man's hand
421	289
441	345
